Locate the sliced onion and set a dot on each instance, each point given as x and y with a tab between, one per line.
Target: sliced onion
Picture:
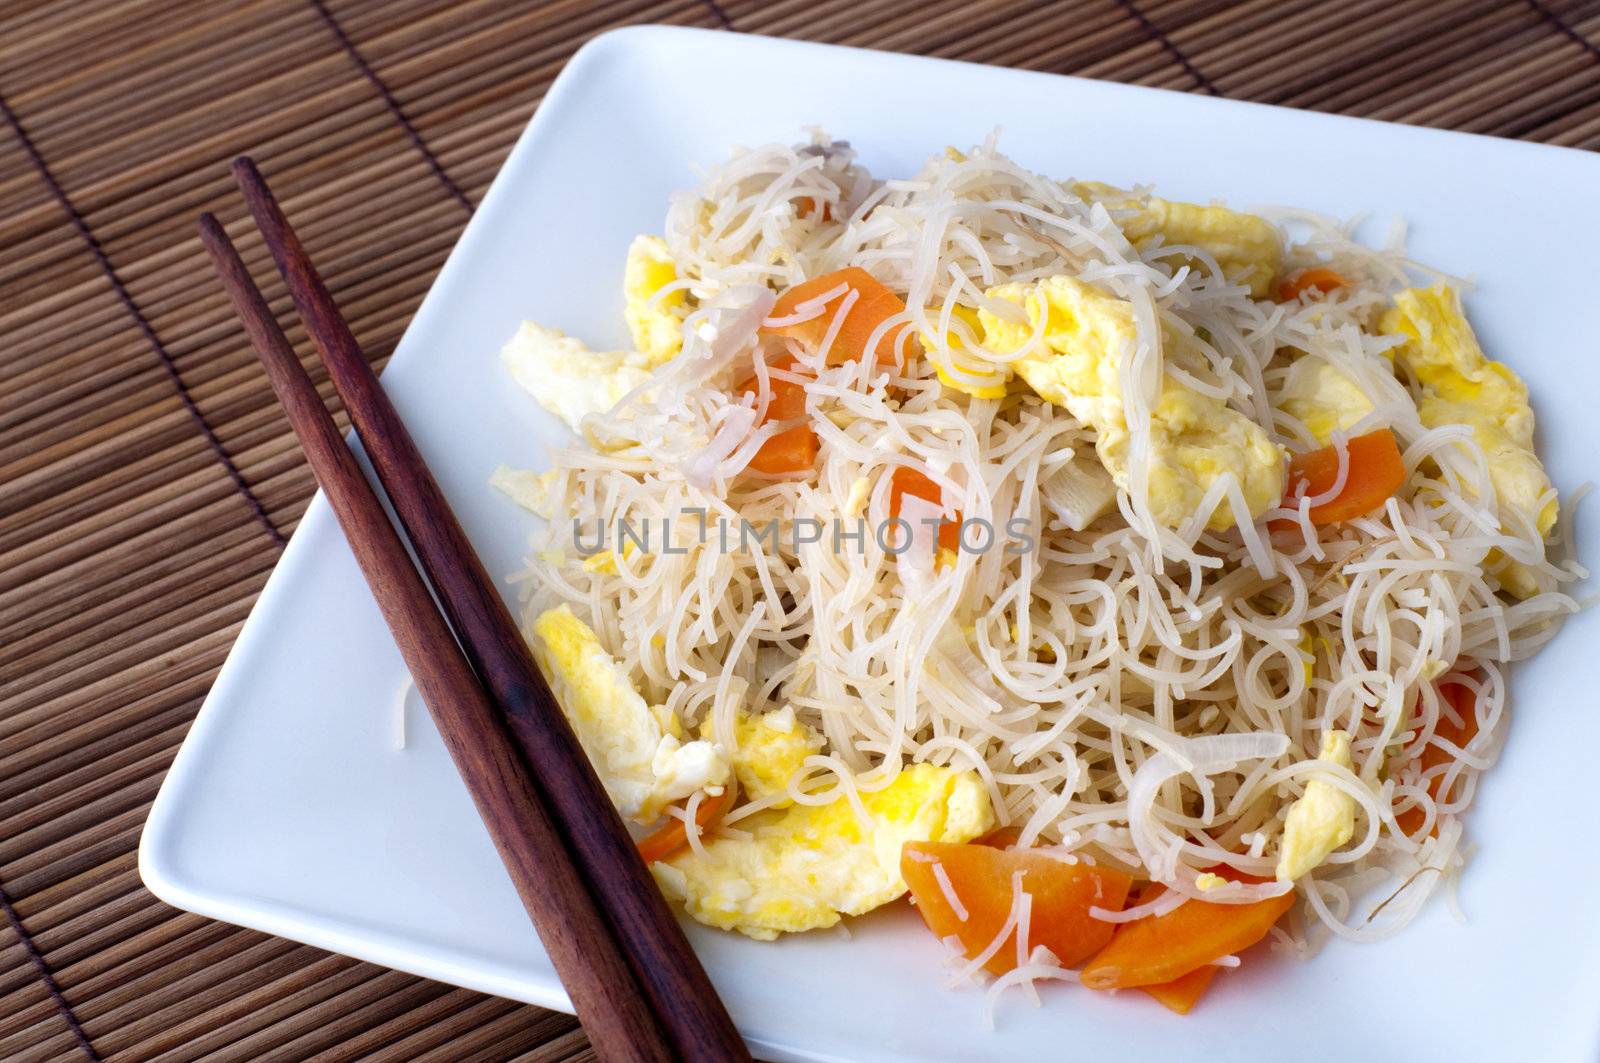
915	562
705	464
735	315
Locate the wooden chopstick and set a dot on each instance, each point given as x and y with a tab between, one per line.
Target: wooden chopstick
575	933
658	952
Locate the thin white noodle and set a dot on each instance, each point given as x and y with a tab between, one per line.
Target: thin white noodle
691	823
1019	899
401	711
1341	451
949	890
1041	964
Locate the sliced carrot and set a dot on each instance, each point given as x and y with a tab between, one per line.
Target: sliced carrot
808	207
1317	279
1001	838
1375	473
790	451
674	836
1180	994
907	481
1433	756
1183	993
788	397
1160	949
874	304
980	878
794	449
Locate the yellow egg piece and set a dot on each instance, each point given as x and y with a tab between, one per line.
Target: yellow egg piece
1462	386
604	563
1194	439
808	866
1248	249
1308	652
1322	398
528	489
656	324
641	762
855	503
769	750
569	379
992	376
1321	819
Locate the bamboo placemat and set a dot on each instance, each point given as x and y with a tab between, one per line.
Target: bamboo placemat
147	483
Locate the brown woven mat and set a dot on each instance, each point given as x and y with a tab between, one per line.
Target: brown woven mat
147	481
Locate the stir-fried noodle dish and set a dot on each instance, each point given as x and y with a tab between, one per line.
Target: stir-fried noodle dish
1128	581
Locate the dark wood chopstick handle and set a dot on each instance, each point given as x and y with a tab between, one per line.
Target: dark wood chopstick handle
662	958
575	934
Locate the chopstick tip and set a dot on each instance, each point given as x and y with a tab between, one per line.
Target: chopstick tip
244	169
210	228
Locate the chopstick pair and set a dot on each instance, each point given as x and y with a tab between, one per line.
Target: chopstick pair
634	981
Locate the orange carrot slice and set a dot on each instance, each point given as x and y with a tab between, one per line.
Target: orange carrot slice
674	836
980	878
808	206
873	305
1159	949
792	450
907	481
1375	473
1318	279
1432	756
1001	838
1182	994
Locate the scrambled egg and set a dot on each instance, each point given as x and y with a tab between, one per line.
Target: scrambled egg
855	502
636	749
528	489
1248	249
1462	386
805	867
604	563
992	379
1194	439
656	324
1307	648
1322	398
1323	818
769	750
567	378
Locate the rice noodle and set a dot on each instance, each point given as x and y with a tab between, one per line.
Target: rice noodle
402	702
1021	904
948	888
1168	901
691	825
1132	695
1040	964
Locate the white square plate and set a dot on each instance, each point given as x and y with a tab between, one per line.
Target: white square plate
289	808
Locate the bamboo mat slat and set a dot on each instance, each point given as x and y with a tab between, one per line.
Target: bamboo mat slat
147	479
